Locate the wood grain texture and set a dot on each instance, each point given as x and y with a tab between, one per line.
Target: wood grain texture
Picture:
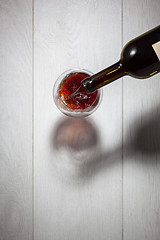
77	163
141	134
78	181
15	120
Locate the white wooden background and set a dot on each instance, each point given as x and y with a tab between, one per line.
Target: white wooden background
64	179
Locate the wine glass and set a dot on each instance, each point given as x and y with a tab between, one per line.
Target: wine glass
78	103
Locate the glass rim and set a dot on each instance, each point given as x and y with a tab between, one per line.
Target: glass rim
67	110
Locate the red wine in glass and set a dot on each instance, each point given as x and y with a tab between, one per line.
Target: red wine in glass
71	98
73	94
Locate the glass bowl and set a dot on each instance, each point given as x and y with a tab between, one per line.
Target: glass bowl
64	108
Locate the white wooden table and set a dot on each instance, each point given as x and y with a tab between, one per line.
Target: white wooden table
62	180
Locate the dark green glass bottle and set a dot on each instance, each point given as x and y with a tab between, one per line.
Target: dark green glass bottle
140	58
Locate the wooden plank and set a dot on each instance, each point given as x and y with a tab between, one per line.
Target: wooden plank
76	198
16	120
141	134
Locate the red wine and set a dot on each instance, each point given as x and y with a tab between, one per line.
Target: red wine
140	58
73	94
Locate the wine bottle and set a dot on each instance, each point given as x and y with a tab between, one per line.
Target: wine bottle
140	58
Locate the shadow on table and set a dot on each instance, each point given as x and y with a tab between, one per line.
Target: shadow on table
78	149
146	139
76	144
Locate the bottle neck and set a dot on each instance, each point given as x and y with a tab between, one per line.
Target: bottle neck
104	77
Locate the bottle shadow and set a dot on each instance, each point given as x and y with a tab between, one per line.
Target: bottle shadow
146	139
77	146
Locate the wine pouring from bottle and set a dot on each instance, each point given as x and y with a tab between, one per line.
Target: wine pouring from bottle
140	58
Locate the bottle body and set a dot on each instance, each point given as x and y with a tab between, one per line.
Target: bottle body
140	58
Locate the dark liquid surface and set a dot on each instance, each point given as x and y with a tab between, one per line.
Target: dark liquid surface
73	94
